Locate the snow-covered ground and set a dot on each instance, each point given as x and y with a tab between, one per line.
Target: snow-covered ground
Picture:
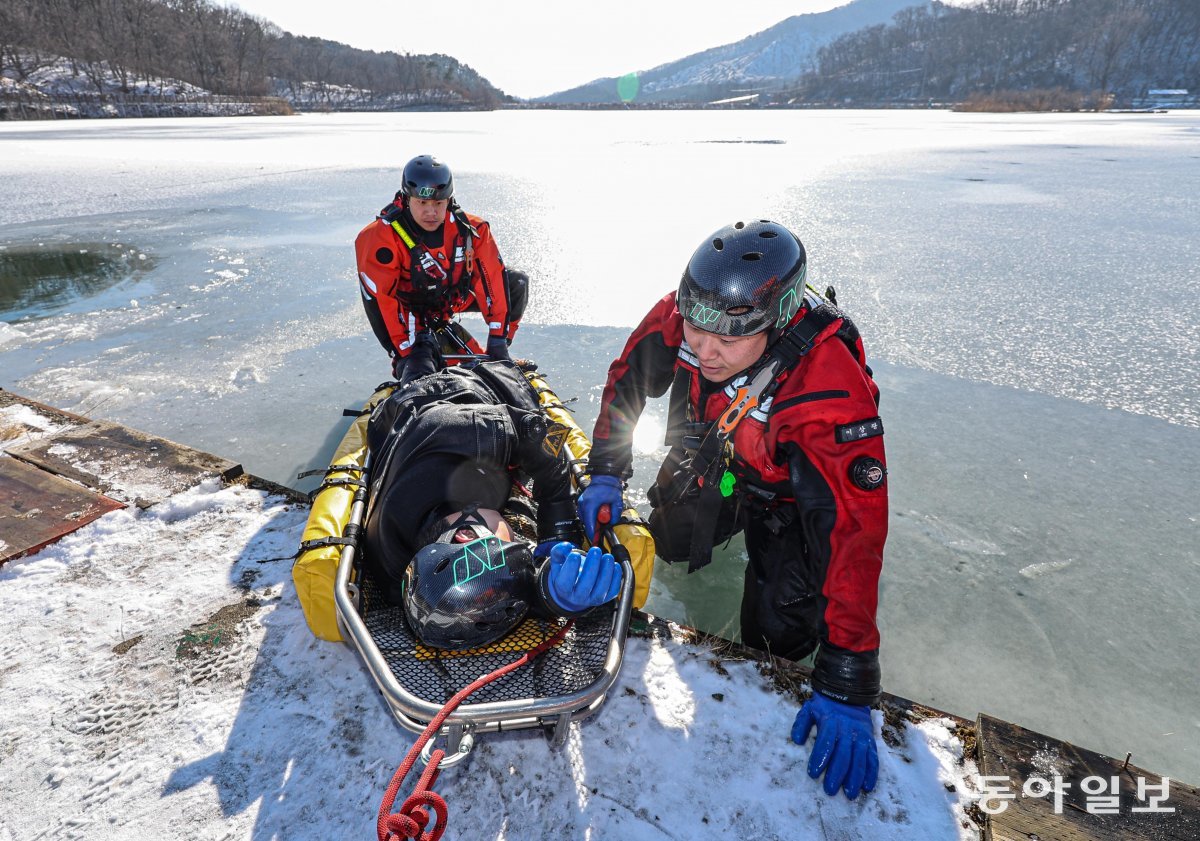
57	75
57	86
53	87
157	680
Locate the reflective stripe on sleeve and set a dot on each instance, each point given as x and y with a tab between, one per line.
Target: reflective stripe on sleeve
412	329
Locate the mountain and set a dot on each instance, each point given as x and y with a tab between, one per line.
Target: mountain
773	58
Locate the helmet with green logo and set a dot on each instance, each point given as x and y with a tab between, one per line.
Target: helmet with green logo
425	177
466	595
746	278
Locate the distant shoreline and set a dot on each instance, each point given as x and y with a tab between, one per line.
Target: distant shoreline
19	106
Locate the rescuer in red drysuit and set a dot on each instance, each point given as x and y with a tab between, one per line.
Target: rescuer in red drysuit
802	473
422	260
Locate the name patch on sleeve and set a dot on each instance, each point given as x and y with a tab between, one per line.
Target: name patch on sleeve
859	430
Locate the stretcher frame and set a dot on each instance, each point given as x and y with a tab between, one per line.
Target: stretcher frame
414	713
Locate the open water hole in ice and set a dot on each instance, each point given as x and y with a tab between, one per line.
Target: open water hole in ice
1026	286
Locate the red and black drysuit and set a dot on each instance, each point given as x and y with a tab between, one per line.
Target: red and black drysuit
810	489
402	297
454	439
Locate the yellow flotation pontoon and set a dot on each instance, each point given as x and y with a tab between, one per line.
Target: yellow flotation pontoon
340	602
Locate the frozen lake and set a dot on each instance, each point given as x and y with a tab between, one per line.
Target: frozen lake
1027	287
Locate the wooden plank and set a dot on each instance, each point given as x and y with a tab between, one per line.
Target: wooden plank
10	398
1019	755
37	508
132	466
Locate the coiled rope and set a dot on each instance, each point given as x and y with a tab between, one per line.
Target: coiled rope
414	814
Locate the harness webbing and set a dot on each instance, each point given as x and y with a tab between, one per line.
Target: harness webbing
399	229
708	464
762	382
464	224
325	541
420	255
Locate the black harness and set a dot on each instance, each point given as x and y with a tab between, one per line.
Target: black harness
435	292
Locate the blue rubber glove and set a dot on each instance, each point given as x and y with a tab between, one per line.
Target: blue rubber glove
602	490
577	582
845	746
497	349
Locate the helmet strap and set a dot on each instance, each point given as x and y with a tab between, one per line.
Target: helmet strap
460	219
469	518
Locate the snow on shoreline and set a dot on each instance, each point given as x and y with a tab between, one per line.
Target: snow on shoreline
57	75
20	424
55	86
159	680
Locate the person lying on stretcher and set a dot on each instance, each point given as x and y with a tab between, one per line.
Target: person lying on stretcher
445	448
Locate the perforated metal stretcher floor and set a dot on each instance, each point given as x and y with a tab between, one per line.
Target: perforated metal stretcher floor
567	682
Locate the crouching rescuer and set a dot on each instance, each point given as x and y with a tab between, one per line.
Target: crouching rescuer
423	260
453	453
774	431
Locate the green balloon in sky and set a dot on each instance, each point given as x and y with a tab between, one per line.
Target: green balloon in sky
627	87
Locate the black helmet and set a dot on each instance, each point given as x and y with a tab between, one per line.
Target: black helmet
425	177
466	595
745	278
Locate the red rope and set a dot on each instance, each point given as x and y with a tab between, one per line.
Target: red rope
413	817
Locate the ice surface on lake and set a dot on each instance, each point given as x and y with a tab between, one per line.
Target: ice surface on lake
1027	287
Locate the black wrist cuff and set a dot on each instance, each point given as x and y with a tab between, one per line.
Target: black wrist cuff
600	466
851	677
558	521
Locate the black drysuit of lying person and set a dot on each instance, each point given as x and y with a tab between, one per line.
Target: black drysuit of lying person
445	447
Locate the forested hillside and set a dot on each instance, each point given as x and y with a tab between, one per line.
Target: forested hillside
225	51
1112	50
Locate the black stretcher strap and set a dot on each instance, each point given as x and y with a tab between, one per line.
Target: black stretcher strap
327	471
325	541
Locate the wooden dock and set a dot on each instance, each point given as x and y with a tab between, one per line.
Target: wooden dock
1035	787
1067	793
59	481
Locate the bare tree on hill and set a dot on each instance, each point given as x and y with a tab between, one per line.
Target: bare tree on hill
216	47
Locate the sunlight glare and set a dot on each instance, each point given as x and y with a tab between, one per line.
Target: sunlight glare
648	436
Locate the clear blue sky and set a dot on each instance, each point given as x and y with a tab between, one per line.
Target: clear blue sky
534	47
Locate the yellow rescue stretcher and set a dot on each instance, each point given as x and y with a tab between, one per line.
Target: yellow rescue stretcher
567	682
